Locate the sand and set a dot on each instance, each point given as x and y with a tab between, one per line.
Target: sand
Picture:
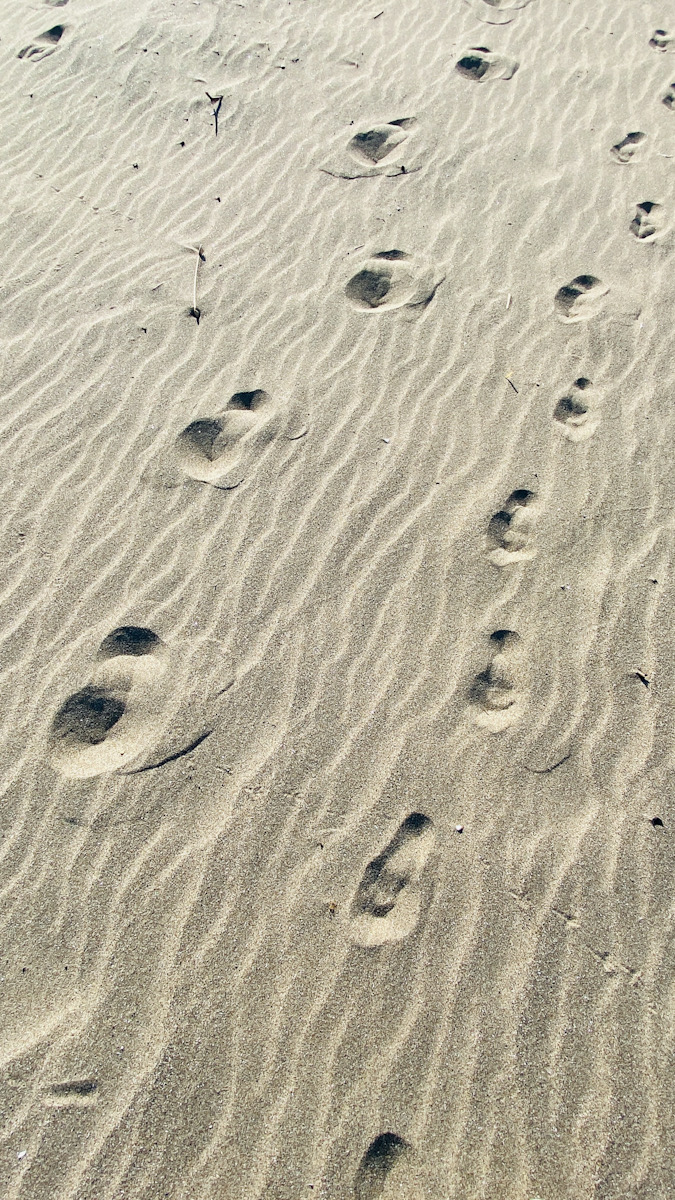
337	656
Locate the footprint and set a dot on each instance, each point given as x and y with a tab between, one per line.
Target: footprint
116	715
78	1092
508	532
625	151
580	299
44	45
574	413
669	98
381	149
662	40
212	447
481	64
649	221
494	694
382	1155
392	279
496	12
388	900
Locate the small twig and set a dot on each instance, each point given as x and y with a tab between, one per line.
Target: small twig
508	300
642	678
547	770
513	386
217	100
194	311
380	14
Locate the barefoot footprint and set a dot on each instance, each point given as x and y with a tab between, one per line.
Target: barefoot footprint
626	150
388	900
211	448
576	413
393	279
117	714
381	1157
580	299
44	45
480	64
495	696
508	534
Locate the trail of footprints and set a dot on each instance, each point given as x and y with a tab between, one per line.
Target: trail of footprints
116	714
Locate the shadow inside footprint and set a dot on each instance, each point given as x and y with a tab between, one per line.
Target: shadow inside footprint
480	64
649	221
625	151
210	447
392	279
373	145
573	412
662	40
43	45
669	98
508	531
110	720
382	1155
580	299
494	693
387	902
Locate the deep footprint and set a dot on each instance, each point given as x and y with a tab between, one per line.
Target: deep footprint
669	98
388	900
382	1155
580	299
508	539
392	279
575	413
111	719
625	151
211	447
480	64
373	145
649	221
44	45
662	40
494	693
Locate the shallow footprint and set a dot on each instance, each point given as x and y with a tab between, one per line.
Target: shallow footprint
494	694
580	299
392	279
388	900
382	1155
496	12
113	718
649	221
44	45
73	1092
508	532
669	98
626	150
480	64
575	413
388	148
211	447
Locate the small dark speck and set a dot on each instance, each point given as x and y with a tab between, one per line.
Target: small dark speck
656	822
218	199
135	166
181	143
653	581
143	329
642	678
295	60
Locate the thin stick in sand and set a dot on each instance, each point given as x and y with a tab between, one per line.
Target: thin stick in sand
194	311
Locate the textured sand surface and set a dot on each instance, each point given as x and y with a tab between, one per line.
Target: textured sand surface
338	700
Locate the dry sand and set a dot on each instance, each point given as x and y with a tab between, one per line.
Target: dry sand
337	654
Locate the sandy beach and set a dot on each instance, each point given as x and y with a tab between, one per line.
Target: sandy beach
336	625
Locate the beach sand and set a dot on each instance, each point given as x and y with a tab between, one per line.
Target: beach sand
337	662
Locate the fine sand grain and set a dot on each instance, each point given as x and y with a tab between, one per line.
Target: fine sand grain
338	670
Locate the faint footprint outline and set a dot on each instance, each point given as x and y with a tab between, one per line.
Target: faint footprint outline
625	151
387	903
497	12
